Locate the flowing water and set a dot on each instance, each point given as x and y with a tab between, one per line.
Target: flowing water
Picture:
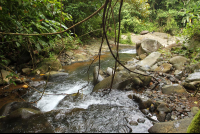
92	112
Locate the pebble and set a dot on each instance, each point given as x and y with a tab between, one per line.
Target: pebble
179	109
140	120
133	123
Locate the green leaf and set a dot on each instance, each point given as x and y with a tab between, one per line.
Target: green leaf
18	45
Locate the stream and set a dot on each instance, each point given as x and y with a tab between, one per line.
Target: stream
85	112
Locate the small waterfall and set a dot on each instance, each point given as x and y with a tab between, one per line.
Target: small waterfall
117	100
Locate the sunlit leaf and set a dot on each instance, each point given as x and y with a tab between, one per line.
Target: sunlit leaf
195	102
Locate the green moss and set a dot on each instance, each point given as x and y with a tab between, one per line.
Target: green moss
194	127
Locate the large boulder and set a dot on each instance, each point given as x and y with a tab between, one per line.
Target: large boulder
43	66
150	60
147	46
178	126
174	88
122	79
178	62
194	126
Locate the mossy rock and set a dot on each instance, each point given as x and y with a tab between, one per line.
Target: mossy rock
44	65
194	127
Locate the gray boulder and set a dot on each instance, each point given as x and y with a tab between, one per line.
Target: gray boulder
165	68
150	60
121	80
178	126
97	75
178	62
43	66
144	32
163	109
174	88
109	71
194	110
147	46
193	77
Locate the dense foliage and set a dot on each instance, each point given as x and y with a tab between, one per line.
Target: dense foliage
28	17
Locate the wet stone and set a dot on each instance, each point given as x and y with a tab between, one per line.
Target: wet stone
133	123
179	109
140	120
145	111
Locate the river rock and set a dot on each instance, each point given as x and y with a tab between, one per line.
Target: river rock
133	123
174	88
69	99
145	111
150	59
97	75
188	86
161	116
178	126
109	71
144	32
194	126
140	120
12	106
147	46
154	67
143	101
194	68
121	80
43	66
163	108
143	56
54	74
193	77
178	62
26	70
178	74
165	68
194	110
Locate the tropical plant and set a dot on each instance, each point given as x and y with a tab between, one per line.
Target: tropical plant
30	17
